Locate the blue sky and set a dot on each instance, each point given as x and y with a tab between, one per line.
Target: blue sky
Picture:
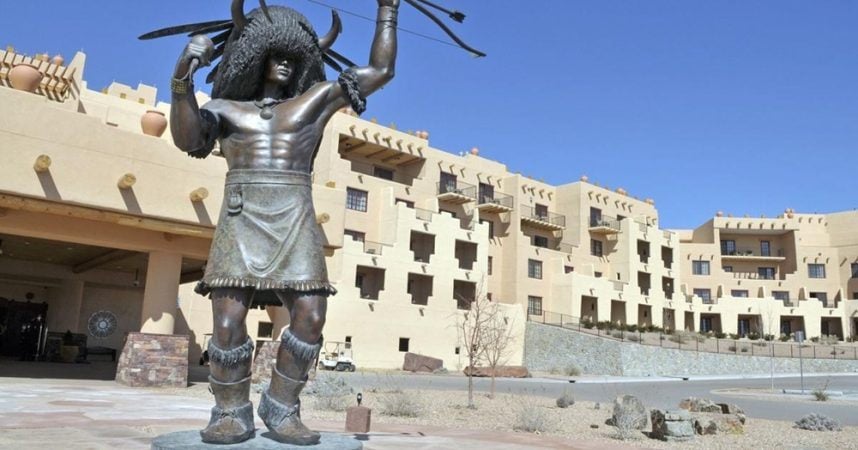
748	107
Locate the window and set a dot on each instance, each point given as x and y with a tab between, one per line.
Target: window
596	247
534	269
854	270
491	263
821	296
540	241
816	270
765	248
381	172
348	339
359	281
700	267
356	199
704	294
491	227
403	344
568	269
487	193
448	183
264	330
855	295
407	203
781	295
706	324
728	269
597	274
534	305
595	217
355	235
458	350
728	247
541	211
766	273
739	293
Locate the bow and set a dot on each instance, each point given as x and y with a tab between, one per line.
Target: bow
458	16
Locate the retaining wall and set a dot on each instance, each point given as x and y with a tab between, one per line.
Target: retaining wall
549	348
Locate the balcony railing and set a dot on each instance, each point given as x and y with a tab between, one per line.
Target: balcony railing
604	223
553	220
495	200
566	248
752	253
457	191
373	248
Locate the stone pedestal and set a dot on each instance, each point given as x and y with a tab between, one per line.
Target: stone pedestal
190	440
153	360
358	419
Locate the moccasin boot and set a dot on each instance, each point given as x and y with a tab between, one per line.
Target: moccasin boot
232	415
280	409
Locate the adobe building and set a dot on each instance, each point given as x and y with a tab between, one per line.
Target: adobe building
98	217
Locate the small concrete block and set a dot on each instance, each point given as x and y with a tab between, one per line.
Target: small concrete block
358	419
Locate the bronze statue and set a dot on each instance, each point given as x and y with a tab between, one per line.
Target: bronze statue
270	105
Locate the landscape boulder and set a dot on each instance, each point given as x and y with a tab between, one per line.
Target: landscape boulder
730	408
672	425
695	404
630	412
421	363
500	371
707	424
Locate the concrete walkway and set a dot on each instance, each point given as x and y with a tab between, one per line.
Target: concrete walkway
86	414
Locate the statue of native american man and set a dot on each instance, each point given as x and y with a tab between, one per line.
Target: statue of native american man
270	104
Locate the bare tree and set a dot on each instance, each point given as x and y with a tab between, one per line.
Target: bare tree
471	325
497	339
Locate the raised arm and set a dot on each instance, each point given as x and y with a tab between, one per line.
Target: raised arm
382	61
194	130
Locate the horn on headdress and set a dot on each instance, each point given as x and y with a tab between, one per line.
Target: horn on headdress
240	19
327	41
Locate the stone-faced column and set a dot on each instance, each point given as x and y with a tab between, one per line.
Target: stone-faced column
162	289
155	356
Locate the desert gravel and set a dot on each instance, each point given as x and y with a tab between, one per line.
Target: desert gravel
448	409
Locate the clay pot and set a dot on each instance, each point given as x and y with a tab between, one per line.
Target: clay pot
58	60
25	77
154	123
475	151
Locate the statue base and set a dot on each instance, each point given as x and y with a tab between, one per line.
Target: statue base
190	440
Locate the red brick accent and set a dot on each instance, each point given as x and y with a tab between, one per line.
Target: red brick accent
153	360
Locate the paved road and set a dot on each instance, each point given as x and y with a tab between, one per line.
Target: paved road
655	394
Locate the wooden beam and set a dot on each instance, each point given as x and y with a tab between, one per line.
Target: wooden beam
349	150
98	261
188	277
373	154
19	203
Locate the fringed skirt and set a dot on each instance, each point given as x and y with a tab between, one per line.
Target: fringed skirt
267	237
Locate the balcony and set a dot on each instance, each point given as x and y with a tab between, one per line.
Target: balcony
604	225
495	202
543	219
456	192
751	255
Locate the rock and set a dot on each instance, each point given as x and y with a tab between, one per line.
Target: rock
694	404
704	426
566	400
629	410
672	425
731	424
500	372
730	408
420	363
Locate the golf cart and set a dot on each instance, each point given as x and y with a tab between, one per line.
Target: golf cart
337	356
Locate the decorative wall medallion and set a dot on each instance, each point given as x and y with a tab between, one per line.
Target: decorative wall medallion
102	324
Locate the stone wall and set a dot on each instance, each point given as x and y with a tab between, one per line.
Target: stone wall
153	360
549	348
